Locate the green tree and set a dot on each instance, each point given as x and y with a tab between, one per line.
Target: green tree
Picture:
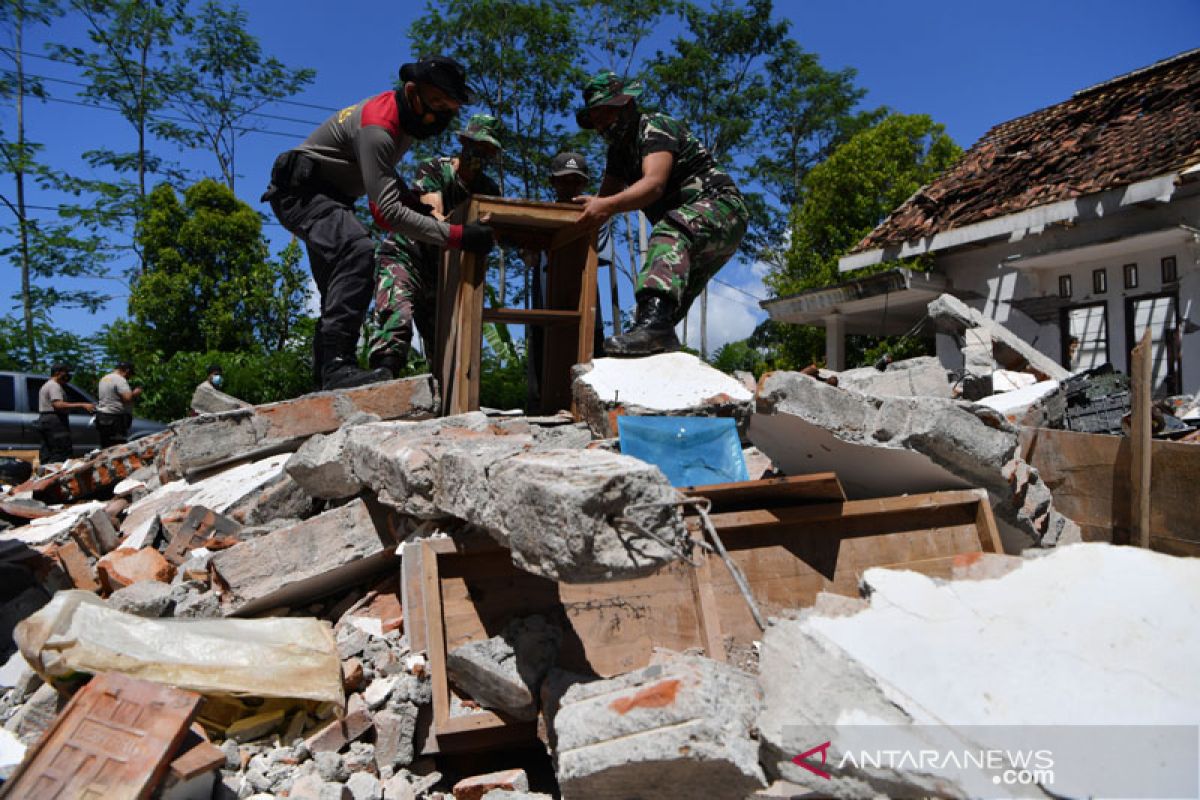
128	68
224	79
848	195
843	199
44	251
209	282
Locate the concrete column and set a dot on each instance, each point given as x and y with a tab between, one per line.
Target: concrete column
835	342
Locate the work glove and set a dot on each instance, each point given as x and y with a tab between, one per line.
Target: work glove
474	237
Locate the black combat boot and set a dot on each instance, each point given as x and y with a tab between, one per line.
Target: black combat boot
392	362
653	329
342	372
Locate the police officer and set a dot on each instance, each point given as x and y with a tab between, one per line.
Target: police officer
315	185
54	422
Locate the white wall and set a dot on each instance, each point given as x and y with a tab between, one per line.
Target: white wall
990	273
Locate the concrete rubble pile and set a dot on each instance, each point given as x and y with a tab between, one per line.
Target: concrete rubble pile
243	569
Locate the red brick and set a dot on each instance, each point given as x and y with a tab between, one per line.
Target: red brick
125	567
341	732
474	788
71	556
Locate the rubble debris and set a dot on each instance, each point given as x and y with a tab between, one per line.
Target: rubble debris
198	529
505	672
149	599
915	444
50	528
678	729
670	384
301	562
479	786
113	740
77	633
579	515
80	480
996	343
1096	401
886	665
340	732
208	399
77	566
320	467
125	567
923	376
36	715
210	440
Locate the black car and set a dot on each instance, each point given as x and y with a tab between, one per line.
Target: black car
18	415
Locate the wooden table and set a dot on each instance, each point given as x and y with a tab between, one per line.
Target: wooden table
570	291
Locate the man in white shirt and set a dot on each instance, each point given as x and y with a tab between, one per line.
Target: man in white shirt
53	420
114	412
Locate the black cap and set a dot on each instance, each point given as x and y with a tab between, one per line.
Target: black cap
214	368
569	164
125	365
60	367
443	72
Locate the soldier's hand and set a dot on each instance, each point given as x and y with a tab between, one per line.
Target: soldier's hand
596	210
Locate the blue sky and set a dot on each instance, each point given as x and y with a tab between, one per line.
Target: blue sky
968	65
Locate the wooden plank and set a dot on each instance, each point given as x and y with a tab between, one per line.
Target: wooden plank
113	740
863	516
435	636
1140	387
587	299
1088	474
531	316
768	492
527	214
701	579
412	595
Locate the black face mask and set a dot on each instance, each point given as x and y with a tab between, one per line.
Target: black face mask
414	123
623	127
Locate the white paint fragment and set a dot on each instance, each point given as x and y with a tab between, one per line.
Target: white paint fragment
667	382
128	486
1014	404
46	529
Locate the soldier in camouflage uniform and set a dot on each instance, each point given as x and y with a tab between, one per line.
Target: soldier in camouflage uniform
406	271
655	165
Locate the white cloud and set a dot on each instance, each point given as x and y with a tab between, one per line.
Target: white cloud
732	314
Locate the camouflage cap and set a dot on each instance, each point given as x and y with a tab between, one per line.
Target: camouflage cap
606	88
483	128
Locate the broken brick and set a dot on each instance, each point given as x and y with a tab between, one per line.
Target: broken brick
77	566
475	787
200	526
124	567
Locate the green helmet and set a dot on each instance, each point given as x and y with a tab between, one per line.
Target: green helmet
606	89
482	128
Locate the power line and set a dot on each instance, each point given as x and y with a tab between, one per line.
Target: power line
176	103
123	214
10	51
751	295
163	118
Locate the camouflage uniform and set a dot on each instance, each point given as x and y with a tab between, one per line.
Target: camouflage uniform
699	220
406	271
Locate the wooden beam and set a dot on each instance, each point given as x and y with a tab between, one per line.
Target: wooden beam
818	487
1140	388
531	316
435	636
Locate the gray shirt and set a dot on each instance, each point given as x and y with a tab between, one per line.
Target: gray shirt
112	386
51	390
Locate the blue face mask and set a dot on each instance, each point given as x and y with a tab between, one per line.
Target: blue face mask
216	380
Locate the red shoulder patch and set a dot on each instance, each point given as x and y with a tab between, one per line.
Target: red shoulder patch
381	110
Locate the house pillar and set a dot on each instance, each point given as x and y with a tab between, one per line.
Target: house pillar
835	342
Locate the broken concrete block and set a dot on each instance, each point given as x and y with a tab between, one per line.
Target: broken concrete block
582	515
320	466
923	376
54	527
475	787
680	729
365	786
1014	405
1007	348
1107	667
298	563
143	599
208	399
671	384
278	498
882	447
36	715
395	728
125	567
506	671
212	439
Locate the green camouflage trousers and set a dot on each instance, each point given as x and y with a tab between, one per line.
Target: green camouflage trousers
405	291
690	245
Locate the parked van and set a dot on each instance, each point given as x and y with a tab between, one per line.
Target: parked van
18	415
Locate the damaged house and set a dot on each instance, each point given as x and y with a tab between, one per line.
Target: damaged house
1077	227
